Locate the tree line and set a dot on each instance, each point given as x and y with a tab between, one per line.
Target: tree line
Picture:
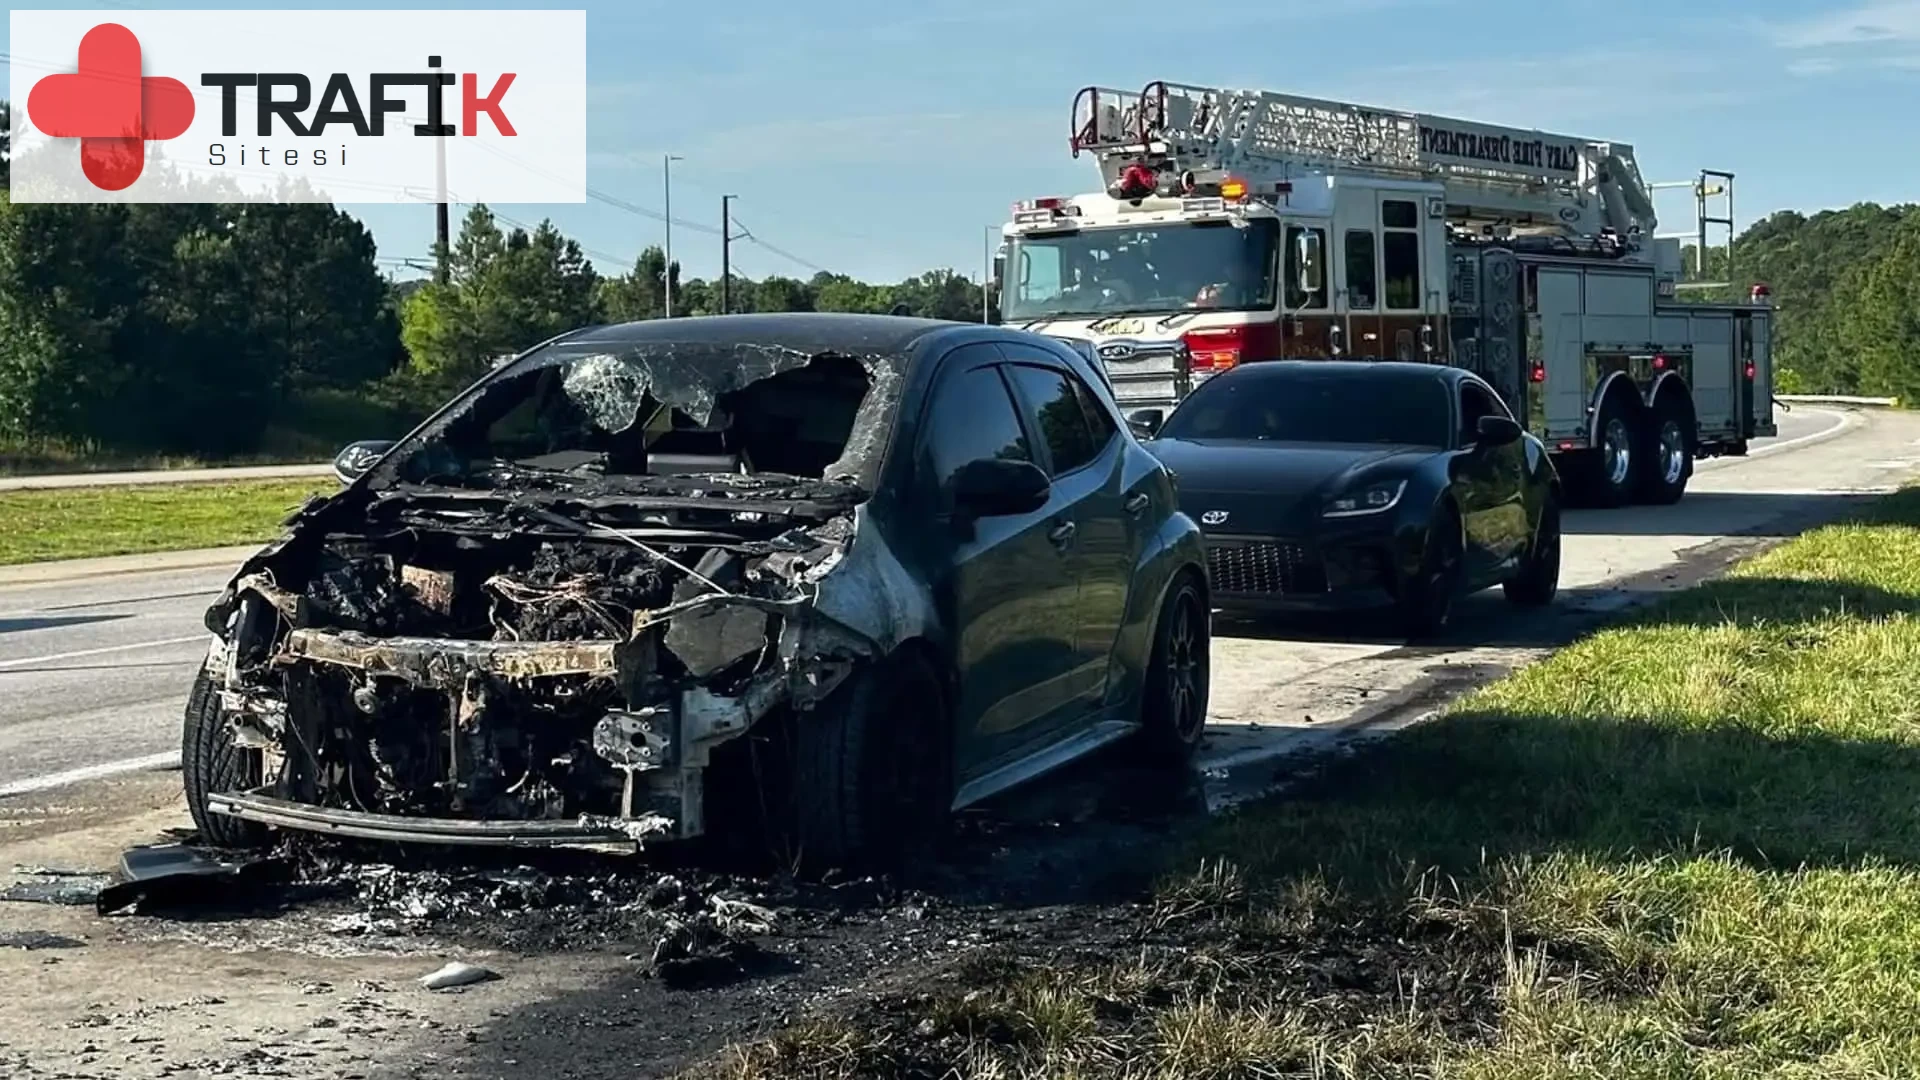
1846	289
226	329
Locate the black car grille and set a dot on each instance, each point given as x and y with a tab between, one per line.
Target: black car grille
1264	566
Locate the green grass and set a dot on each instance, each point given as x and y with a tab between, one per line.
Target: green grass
75	523
1687	846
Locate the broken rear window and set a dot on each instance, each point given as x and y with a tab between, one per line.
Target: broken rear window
591	410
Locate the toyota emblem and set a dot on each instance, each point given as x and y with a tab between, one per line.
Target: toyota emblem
1214	517
1116	350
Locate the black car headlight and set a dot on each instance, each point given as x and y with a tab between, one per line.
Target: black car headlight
1372	499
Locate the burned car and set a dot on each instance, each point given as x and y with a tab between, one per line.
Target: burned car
836	574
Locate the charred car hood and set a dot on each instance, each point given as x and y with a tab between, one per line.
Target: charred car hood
1273	487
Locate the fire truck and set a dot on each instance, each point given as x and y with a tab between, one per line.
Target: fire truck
1237	226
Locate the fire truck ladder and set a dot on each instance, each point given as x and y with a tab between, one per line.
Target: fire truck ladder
1492	176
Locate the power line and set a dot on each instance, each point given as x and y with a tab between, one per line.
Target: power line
747	235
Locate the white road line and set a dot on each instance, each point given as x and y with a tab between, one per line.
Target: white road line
90	772
1848	421
19	660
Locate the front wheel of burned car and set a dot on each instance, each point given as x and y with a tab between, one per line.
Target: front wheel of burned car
871	775
211	762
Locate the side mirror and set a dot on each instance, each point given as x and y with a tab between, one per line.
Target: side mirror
1312	275
358	457
1498	431
1146	422
999	487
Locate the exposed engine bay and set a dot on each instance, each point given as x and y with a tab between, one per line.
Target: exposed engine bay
534	626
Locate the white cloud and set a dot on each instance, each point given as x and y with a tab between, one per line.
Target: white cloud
1876	22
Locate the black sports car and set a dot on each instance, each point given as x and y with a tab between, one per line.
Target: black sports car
1335	484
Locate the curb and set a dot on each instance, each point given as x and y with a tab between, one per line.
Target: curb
163	476
64	570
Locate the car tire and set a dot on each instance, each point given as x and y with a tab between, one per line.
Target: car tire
1539	577
1173	701
1614	465
1667	457
1426	605
210	761
871	770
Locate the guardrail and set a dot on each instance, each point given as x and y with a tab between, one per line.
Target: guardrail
1839	399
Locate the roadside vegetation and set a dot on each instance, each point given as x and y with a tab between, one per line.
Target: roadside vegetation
78	523
1688	846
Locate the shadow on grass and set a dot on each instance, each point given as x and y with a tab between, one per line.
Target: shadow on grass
1721	513
1478	787
1774	791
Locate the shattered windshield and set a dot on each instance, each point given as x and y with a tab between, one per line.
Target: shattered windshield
1173	267
620	413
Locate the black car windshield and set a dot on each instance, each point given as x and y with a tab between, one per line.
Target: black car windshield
1167	268
1305	405
621	413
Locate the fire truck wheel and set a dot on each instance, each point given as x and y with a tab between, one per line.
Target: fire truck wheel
1668	456
1614	463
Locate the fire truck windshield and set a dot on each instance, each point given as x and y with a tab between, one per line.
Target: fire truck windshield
1170	267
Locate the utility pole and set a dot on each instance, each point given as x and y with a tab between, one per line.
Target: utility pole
666	182
726	254
441	225
986	271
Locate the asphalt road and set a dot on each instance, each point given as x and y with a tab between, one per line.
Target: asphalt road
94	673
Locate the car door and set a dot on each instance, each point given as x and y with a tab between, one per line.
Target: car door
1084	454
1002	584
1488	483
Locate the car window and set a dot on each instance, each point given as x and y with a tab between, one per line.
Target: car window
1087	353
1308	403
1475	403
1058	415
1099	421
973	417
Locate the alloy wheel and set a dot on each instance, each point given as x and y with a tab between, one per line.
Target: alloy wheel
1617	445
1673	452
1183	669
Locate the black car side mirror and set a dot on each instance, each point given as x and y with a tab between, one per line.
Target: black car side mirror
357	458
1498	431
1146	422
999	487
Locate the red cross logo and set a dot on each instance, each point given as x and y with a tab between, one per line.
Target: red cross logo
110	107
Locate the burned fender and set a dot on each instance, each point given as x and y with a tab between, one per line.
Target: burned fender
867	590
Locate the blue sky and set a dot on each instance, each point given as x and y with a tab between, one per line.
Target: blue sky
882	139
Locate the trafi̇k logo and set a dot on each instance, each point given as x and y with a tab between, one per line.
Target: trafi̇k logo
334	106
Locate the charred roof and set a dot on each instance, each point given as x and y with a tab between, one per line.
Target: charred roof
814	332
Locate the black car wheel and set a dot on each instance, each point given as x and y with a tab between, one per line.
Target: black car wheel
1426	605
872	778
1669	458
1539	576
1173	711
210	762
